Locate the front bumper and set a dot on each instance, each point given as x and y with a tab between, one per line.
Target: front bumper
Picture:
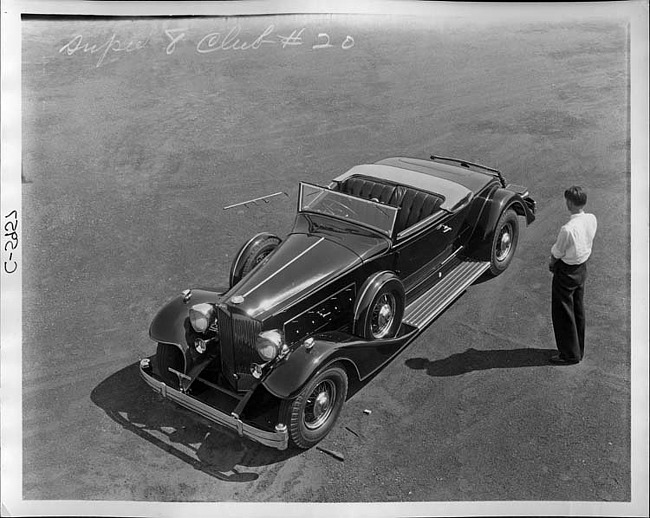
278	439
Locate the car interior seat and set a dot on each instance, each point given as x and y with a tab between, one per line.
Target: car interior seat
414	205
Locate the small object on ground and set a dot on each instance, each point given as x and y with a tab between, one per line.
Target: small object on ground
367	412
335	454
352	431
265	199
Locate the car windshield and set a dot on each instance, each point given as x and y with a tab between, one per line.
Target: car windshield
367	213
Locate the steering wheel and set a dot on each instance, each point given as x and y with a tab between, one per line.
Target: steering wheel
344	210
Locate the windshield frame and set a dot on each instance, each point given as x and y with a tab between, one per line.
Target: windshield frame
387	231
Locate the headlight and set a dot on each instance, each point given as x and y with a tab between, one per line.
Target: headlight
268	344
201	317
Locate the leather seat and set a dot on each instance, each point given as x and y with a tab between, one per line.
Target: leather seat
414	205
361	187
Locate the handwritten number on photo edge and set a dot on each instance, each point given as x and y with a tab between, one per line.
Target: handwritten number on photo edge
348	43
325	45
175	38
11	228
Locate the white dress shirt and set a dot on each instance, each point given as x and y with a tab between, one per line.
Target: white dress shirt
575	239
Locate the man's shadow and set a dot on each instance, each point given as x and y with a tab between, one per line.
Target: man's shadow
208	447
474	360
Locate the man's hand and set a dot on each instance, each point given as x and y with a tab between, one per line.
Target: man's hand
551	264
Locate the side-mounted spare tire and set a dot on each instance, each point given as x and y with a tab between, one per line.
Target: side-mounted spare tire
379	308
251	254
504	242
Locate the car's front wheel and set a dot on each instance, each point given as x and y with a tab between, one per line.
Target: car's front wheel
312	413
504	242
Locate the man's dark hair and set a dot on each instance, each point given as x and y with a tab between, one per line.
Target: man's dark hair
576	195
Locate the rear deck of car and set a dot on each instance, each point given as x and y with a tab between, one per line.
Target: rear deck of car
469	178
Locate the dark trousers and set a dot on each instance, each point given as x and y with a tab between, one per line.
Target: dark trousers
567	308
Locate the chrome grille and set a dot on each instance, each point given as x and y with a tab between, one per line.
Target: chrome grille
237	334
225	327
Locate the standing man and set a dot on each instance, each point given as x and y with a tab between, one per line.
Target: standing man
568	263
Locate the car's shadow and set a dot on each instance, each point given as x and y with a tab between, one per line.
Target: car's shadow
474	360
217	451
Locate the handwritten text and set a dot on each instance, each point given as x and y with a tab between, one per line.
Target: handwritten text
231	40
11	241
111	45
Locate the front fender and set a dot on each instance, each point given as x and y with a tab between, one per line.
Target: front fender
368	292
364	356
171	323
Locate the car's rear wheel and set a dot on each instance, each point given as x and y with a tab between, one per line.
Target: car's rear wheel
168	355
504	242
252	254
312	413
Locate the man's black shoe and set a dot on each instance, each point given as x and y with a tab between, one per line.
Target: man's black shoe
559	360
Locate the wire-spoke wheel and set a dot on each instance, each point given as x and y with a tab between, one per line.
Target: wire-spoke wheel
312	413
320	404
381	308
383	315
504	242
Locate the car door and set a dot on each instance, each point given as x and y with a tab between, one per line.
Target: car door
424	247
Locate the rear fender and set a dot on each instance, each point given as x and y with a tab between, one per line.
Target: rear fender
501	200
363	357
171	324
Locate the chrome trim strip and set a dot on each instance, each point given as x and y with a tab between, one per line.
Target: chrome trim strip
277	439
285	266
420	224
452	256
305	295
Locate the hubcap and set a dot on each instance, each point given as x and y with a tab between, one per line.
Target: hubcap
383	315
320	404
504	243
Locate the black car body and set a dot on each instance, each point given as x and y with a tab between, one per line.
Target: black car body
371	260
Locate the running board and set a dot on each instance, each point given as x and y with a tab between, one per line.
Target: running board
429	305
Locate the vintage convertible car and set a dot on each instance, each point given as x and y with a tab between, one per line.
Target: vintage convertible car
371	260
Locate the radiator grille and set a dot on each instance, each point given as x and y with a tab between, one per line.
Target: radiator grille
237	335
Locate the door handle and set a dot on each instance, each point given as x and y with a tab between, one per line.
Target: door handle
444	228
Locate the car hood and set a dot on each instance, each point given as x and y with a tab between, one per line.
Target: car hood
302	264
